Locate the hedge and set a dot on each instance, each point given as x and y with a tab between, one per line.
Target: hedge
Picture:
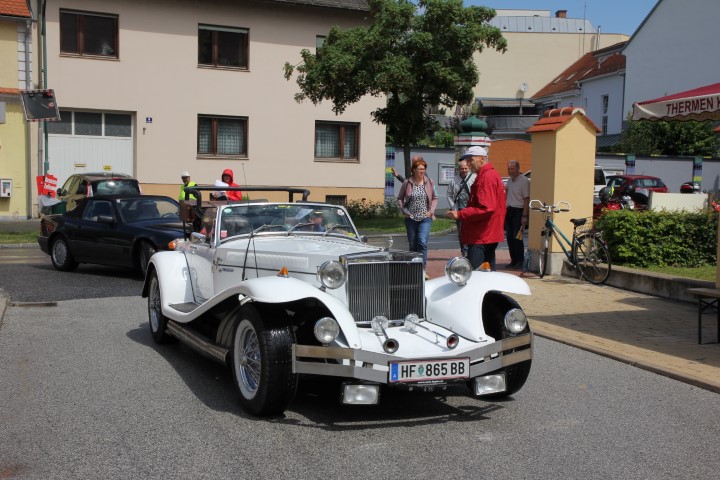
660	238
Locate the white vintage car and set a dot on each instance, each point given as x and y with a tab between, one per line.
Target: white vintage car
281	290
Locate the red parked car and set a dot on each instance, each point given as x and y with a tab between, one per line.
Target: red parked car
637	187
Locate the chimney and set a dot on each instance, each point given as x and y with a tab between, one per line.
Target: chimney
561	14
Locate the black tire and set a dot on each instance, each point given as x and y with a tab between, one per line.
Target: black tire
145	250
592	258
158	321
544	249
495	305
262	362
60	255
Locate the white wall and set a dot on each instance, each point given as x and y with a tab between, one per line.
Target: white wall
592	92
674	50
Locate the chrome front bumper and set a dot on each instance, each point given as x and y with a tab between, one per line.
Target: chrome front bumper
374	367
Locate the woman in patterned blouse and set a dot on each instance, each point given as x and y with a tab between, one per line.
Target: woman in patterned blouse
417	200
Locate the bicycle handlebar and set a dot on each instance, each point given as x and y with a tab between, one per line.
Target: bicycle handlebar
545	208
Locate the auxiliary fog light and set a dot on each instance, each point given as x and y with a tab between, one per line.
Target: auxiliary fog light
490	384
515	320
360	394
458	270
326	330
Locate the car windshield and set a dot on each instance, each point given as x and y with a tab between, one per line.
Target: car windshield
147	208
116	186
286	217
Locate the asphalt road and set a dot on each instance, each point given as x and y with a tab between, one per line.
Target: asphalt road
84	393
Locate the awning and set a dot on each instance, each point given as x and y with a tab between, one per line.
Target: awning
700	104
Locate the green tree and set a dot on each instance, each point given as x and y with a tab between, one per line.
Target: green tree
643	137
416	55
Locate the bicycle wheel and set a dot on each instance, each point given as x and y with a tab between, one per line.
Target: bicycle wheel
544	248
592	257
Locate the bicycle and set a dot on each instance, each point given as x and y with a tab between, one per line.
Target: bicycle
587	251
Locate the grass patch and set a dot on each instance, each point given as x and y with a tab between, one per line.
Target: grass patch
706	272
397	225
18	237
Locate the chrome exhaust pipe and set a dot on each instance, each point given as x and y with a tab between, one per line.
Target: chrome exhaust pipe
391	345
451	341
379	323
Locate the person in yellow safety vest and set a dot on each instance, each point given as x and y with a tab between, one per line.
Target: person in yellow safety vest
185	176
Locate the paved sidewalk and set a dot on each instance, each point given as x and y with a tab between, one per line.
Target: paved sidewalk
652	333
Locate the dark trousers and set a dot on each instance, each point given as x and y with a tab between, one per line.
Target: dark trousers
513	217
463	248
477	254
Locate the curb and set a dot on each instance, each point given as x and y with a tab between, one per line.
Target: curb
586	342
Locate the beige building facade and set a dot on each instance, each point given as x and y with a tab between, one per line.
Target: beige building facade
154	88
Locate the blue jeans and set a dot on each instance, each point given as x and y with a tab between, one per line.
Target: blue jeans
418	234
477	254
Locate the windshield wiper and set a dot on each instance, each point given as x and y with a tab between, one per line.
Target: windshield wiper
299	225
333	227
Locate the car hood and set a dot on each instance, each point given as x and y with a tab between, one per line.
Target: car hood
300	253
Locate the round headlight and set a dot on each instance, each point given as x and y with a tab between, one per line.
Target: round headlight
326	330
332	274
515	320
458	270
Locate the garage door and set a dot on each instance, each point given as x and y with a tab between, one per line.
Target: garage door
90	142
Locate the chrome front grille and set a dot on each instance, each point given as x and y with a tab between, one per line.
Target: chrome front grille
389	288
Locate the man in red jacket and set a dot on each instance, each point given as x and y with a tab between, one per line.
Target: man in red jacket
483	219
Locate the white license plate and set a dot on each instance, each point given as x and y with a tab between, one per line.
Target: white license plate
429	371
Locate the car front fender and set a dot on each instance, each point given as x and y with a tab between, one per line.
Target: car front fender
460	308
288	289
172	271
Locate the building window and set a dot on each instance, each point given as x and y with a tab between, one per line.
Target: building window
222	46
96	124
336	141
605	102
319	41
89	34
336	199
222	135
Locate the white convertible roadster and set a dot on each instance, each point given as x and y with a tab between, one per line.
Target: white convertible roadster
281	290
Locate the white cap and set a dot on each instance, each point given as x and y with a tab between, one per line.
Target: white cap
185	174
474	152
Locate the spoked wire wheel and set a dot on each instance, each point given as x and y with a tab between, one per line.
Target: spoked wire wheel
544	249
592	258
247	360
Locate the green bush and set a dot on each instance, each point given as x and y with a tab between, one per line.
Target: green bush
367	210
660	238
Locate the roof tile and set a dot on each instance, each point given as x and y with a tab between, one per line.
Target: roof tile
552	120
14	8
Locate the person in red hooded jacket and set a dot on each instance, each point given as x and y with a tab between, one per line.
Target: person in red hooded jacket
227	177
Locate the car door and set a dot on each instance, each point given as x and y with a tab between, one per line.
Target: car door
98	234
200	258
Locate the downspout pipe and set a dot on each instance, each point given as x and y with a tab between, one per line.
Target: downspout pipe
28	138
46	164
